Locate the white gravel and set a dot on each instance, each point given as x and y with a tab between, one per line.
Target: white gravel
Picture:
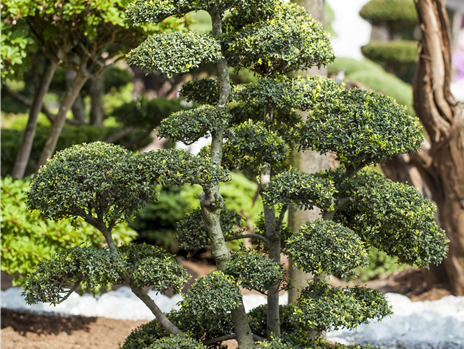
436	324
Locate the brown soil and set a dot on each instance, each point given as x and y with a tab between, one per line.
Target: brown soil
28	330
22	330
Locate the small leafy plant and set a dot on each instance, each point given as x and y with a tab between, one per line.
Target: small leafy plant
105	184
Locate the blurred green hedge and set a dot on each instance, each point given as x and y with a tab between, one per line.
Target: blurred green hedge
27	238
396	15
399	57
372	75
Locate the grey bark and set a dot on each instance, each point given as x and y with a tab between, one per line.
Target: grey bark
60	118
78	107
212	201
28	137
97	90
273	315
307	161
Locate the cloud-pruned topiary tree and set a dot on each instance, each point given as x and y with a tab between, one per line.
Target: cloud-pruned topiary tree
105	184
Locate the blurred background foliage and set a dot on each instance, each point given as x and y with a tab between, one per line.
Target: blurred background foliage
28	238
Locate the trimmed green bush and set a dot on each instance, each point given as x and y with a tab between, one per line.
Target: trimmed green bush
396	56
396	15
372	75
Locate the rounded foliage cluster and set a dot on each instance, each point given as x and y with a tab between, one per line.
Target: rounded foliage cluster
281	122
323	246
257	318
175	52
291	40
272	92
179	167
322	307
191	232
188	126
216	294
90	180
252	143
256	271
146	11
395	218
192	325
300	189
150	266
360	126
203	91
396	15
91	268
176	342
88	267
399	56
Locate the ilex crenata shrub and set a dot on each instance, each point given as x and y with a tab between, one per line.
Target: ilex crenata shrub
253	128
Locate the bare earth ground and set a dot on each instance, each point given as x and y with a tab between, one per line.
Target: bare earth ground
23	330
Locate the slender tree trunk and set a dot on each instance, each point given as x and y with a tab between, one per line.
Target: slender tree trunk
60	118
307	161
212	201
442	165
78	108
273	313
28	137
97	90
139	291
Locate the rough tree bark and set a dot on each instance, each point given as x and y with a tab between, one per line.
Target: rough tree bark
441	164
307	161
28	137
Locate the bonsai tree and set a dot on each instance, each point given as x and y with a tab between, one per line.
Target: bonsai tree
105	184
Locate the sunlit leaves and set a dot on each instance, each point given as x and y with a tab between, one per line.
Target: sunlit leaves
323	246
322	307
212	295
188	126
395	218
175	52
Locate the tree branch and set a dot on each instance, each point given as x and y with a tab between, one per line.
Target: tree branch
28	103
245	236
328	215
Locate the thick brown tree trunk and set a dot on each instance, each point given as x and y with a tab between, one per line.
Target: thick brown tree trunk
28	137
442	164
307	161
58	123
